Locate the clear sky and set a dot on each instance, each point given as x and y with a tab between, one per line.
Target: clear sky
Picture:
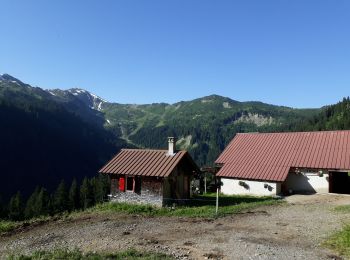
285	52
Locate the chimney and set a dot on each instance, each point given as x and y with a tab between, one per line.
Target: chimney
171	145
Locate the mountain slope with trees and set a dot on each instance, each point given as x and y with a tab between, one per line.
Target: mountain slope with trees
42	142
49	135
203	126
333	117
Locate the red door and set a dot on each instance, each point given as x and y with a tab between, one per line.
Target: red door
122	183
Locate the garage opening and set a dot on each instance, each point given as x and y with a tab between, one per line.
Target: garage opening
339	182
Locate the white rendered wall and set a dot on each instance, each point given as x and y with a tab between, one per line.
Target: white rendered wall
254	188
306	182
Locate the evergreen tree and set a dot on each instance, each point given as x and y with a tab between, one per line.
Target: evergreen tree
86	194
30	208
43	203
2	208
94	187
73	197
60	202
101	188
15	209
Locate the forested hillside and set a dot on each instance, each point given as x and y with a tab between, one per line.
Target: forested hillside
42	142
203	126
49	135
333	117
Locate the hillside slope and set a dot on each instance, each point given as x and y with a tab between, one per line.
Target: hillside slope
333	117
42	142
47	135
203	126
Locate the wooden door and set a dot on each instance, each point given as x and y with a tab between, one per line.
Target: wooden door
122	183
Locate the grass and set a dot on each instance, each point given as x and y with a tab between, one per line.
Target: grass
7	226
201	206
343	208
76	254
340	242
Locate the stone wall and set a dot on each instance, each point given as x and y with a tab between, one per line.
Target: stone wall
151	193
114	185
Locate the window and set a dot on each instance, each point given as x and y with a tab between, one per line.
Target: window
130	183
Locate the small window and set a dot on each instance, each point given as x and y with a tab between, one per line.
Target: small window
130	183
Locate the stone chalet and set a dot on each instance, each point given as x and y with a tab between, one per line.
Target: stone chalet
157	177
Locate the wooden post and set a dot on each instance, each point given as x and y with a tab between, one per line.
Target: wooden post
217	200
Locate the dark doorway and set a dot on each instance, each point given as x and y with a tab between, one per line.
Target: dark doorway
339	182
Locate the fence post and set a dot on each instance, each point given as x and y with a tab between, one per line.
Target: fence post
217	200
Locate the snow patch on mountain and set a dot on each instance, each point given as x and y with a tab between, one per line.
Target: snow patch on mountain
91	100
52	92
9	78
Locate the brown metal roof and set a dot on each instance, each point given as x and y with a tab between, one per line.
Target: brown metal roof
269	156
145	162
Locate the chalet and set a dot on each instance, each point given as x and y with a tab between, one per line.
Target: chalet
285	163
157	177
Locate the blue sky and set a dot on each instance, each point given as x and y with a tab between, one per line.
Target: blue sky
294	53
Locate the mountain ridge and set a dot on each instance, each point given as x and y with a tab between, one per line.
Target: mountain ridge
209	121
77	89
59	129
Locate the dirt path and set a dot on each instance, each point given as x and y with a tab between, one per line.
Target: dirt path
290	231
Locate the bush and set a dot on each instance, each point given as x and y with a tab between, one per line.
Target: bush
6	226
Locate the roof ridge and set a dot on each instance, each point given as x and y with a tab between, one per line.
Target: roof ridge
298	132
141	149
150	150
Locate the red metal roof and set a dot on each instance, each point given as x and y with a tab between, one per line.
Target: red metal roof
269	156
145	162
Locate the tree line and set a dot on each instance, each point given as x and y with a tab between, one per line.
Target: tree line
64	199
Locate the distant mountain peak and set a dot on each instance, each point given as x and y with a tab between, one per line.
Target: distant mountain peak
9	78
90	99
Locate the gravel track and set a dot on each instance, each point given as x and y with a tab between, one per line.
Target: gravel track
293	230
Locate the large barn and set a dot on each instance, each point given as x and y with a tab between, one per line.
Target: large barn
286	163
157	177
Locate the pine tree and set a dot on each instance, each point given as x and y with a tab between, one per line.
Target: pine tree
30	209
93	185
86	194
60	202
2	208
15	210
101	188
73	197
43	203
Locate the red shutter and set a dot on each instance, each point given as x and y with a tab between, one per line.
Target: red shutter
122	183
